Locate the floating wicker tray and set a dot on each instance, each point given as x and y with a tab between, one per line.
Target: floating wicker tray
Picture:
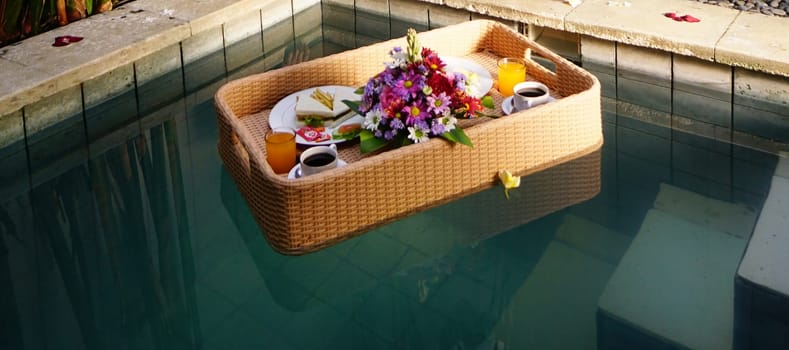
301	215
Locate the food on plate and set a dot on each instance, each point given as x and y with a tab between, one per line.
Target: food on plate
313	134
472	81
323	108
347	131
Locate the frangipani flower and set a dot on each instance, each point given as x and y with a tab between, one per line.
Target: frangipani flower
509	181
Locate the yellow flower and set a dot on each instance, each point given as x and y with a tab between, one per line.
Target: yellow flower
509	181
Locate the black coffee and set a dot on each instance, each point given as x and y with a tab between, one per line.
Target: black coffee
531	92
319	159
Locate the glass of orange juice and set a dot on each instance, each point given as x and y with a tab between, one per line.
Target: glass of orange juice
281	149
511	72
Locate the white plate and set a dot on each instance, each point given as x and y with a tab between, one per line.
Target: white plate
295	172
283	115
483	81
508	108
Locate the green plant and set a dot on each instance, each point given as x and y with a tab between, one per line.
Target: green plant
20	19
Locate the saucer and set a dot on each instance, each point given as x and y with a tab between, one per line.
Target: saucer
508	108
295	172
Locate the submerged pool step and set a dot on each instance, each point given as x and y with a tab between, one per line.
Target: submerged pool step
673	287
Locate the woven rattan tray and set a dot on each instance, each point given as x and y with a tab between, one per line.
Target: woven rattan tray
301	215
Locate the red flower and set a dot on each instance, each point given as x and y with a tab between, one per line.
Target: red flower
440	83
391	103
471	105
431	60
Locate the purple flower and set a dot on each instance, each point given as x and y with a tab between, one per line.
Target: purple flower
389	134
410	83
369	89
438	105
422	125
389	76
396	124
415	112
378	134
437	128
460	81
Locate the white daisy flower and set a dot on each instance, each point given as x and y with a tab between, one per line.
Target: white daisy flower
417	135
372	119
449	122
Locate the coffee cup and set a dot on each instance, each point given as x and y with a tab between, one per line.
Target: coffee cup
529	94
316	159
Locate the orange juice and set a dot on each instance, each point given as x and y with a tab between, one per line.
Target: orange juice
281	150
511	72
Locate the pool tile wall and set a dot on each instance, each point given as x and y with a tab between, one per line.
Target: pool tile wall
204	58
406	14
307	32
443	16
338	25
243	40
372	21
159	79
599	58
702	91
110	103
644	77
55	120
13	154
278	33
761	105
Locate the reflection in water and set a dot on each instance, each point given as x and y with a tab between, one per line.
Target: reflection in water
113	254
455	267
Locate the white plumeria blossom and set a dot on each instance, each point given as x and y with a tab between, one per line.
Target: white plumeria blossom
417	135
372	119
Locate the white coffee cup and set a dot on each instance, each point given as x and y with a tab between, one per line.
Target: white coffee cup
316	159
528	94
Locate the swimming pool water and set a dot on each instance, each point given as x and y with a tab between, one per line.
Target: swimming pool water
147	243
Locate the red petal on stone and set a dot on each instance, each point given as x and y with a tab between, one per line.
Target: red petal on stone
689	18
61	41
671	15
65	40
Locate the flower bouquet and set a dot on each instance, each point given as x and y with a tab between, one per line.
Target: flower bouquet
415	98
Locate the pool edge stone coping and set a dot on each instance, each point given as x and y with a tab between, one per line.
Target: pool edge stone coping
178	20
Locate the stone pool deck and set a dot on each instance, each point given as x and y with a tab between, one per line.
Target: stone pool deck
735	55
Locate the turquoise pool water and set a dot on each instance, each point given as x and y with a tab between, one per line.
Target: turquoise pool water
147	243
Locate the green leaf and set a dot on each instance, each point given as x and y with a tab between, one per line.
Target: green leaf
353	105
461	137
487	101
402	140
359	91
369	143
449	137
313	122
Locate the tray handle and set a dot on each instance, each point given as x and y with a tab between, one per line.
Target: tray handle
235	138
